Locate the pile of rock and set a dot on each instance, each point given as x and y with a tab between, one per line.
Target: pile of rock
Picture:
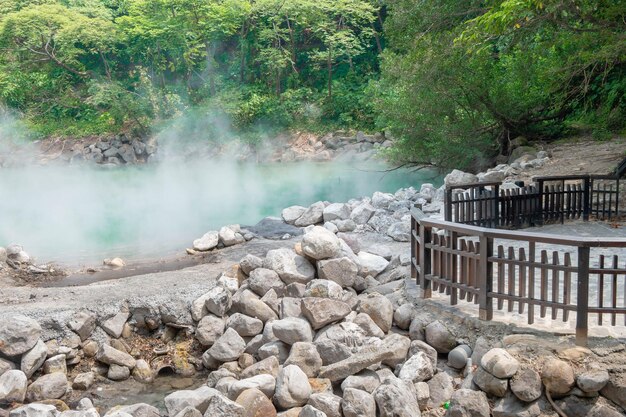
323	329
18	259
121	149
226	236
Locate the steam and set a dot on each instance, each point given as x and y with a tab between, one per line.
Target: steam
84	213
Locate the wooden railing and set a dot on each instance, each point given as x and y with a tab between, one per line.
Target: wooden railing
524	270
550	199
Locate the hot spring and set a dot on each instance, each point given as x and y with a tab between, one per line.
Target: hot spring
82	214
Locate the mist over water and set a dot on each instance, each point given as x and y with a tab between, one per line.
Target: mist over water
85	213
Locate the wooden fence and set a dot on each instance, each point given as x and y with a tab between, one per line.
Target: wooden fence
550	199
520	271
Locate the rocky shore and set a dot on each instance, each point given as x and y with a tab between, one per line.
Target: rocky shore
323	323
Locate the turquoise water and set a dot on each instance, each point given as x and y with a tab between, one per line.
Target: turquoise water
84	214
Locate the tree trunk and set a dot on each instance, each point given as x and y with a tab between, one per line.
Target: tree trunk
330	73
210	52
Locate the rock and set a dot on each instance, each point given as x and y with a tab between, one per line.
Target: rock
557	376
267	366
365	322
336	211
291	214
118	373
400	231
207	242
438	336
489	383
526	385
403	316
218	300
395	398
417	368
291	330
457	358
47	387
290	266
382	200
499	363
189	412
6	365
290	307
198	399
220	406
262	280
340	270
292	387
84	381
277	348
440	388
310	411
246	326
246	302
592	381
322	311
422	395
457	177
362	213
347	225
327	403
35	410
83	323
468	403
357	403
379	308
13	384
115	324
362	359
34	358
365	380
55	364
18	334
209	329
305	356
255	404
228	347
112	356
229	236
371	264
249	263
319	243
402	345
510	406
136	410
312	215
263	382
491	176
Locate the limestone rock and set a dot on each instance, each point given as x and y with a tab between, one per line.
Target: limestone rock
468	403
323	288
6	365
84	381
362	359
111	356
262	280
357	403
327	403
292	387
510	406
395	398
35	410
83	323
365	380
440	389
13	385
371	264
489	383
220	406
379	308
592	381
526	385
342	270
336	211
438	336
249	263
228	347
255	404
457	177
417	369
322	311
209	329
267	366
557	376
291	214
56	363
118	373
291	330
136	410
263	382
319	243
246	326
305	356
207	242
34	358
47	387
499	363
246	302
365	322
218	300
362	213
400	231
115	324
229	235
198	399
403	316
290	266
312	215
18	334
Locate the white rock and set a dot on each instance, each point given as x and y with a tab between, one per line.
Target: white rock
291	330
207	242
35	410
13	386
228	347
218	300
292	387
18	334
198	399
47	387
115	324
291	214
371	264
312	215
320	243
290	266
362	213
336	211
209	329
34	358
457	177
499	363
417	369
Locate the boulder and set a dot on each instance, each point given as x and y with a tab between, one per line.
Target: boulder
365	322
34	358
291	330
557	376
13	385
246	302
198	399
292	387
207	242
499	363
220	406
18	334
379	308
6	365
395	398
357	403
290	266
118	373
111	356
305	356
263	382
327	403
400	231
365	380
218	300
291	214
35	410
457	177
320	243
57	363
382	200
83	323
322	311
255	404
457	358
510	406
468	403
593	380
135	410
228	347
84	381
371	264
323	288
336	211
115	324
312	215
417	368
360	360
526	385
342	270
230	236
310	411
47	387
267	366
249	263
246	326
362	213
489	383
438	336
440	389
209	329
262	280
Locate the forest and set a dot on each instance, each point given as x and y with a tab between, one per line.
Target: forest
454	82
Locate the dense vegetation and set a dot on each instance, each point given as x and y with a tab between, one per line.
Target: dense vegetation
453	81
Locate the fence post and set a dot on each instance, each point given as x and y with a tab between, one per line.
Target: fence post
425	259
447	203
582	302
539	214
414	248
496	209
485	279
586	197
